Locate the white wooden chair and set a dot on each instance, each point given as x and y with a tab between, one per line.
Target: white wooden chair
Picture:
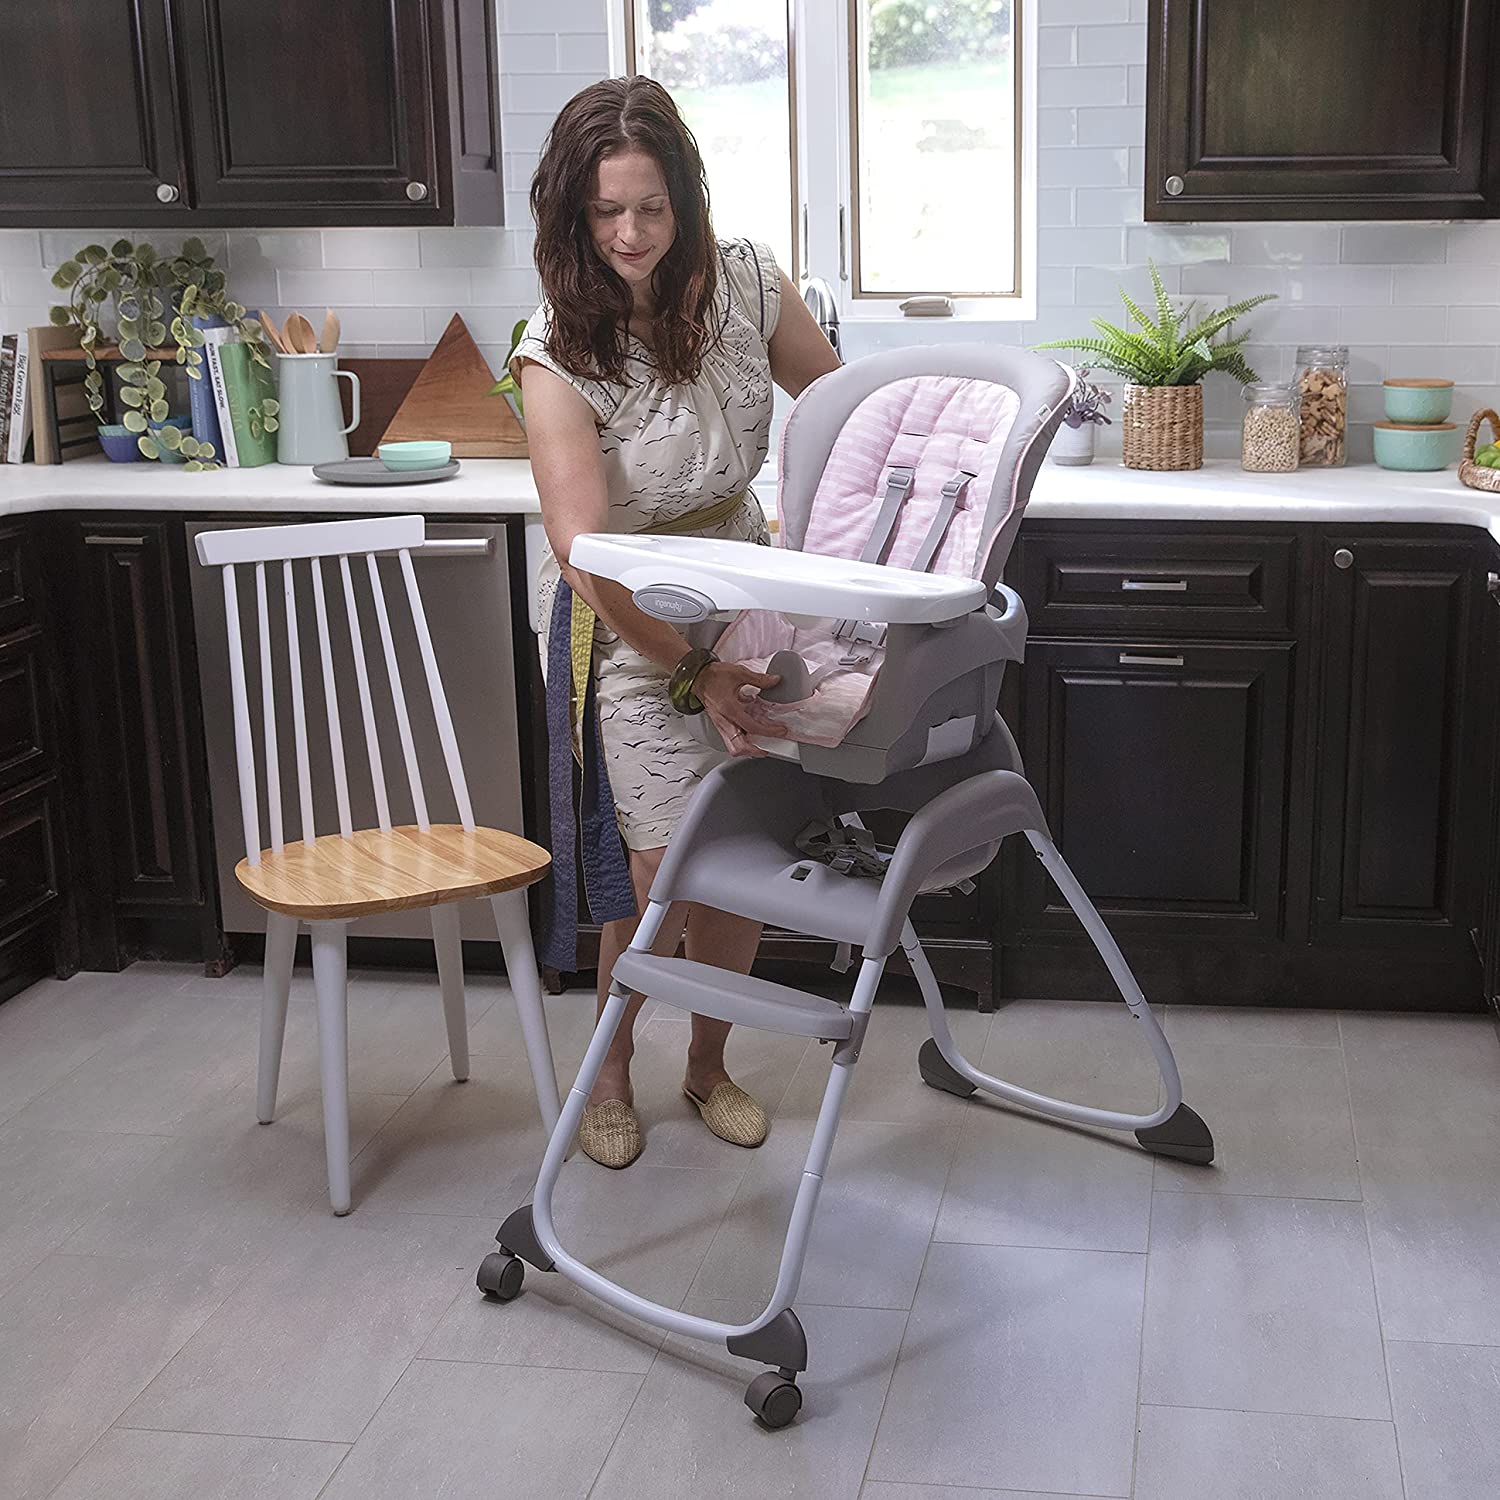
329	881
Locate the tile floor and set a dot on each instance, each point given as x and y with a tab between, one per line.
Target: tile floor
996	1307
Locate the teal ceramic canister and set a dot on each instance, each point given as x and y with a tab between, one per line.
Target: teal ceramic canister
1415	450
1418	402
312	429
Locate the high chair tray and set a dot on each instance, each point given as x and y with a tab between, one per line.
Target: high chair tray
740	575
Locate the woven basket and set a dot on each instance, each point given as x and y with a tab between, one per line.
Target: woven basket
1475	475
1162	426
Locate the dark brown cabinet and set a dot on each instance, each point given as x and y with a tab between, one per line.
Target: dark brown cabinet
310	112
1487	935
1356	109
1401	788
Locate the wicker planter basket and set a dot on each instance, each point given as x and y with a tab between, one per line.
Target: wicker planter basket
1162	426
1475	475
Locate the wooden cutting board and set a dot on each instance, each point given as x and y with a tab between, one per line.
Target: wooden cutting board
450	399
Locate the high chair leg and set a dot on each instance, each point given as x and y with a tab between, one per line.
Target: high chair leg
775	1337
449	948
281	949
1172	1129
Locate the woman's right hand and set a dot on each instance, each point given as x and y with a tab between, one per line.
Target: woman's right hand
721	687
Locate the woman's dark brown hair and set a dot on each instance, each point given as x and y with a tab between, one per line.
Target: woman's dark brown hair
590	302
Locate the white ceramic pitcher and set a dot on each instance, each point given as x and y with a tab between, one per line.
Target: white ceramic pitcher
312	427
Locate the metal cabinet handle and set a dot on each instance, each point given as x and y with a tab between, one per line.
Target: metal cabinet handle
1132	659
416	191
114	541
1343	558
1154	585
167	192
456	546
1175	185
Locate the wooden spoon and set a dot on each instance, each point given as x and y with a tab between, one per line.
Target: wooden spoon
299	334
273	332
330	339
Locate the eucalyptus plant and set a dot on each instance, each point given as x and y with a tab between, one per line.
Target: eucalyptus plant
129	291
1171	348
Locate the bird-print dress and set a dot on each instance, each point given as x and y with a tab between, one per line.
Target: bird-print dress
670	450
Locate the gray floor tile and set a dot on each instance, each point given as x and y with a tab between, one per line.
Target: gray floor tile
471	1432
1018	1179
1019	1366
886	1085
51	1181
1444	1397
1425	1092
875	1215
1262	1456
313	1340
1251	1025
875	1489
689	1436
1280	1119
126	1465
80	1337
233	1189
1262	1304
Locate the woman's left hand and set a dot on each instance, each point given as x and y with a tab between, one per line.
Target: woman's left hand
738	714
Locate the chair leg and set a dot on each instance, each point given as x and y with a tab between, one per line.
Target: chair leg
281	948
450	963
520	969
330	978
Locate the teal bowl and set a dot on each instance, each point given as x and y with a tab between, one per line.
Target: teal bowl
405	457
1419	402
1415	450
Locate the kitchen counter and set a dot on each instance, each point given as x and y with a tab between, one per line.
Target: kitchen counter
1219	491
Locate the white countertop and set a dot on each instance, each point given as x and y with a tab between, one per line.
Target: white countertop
1219	491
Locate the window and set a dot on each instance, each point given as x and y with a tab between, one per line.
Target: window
885	145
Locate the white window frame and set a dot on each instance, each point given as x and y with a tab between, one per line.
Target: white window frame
819	50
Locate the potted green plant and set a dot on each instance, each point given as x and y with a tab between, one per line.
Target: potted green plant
125	295
506	385
1163	360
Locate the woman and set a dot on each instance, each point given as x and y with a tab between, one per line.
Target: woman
646	374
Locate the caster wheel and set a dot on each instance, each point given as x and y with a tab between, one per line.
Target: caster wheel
500	1276
774	1399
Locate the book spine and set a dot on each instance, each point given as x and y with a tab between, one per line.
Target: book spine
243	384
215	366
201	407
7	375
20	404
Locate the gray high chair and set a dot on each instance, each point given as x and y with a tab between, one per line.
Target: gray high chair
903	478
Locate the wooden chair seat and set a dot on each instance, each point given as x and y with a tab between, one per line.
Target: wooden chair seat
333	878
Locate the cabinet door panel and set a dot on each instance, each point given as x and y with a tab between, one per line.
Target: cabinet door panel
87	115
1397	733
1276	109
311	102
1162	772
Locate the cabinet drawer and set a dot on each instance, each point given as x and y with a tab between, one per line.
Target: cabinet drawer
28	862
16	605
23	741
1178	585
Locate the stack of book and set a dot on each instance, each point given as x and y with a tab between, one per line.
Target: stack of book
15	397
226	402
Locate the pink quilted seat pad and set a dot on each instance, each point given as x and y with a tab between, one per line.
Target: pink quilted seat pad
940	427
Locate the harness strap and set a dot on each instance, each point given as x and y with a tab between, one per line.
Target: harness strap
953	499
897	486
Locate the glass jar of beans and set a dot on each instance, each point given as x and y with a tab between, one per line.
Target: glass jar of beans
1323	385
1270	440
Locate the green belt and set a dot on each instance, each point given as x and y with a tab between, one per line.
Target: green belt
582	633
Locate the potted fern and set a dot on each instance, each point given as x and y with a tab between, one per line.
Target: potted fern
1163	361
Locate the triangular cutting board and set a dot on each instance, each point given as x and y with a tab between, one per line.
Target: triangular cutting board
450	399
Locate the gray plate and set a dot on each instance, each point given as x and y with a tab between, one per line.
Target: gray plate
372	471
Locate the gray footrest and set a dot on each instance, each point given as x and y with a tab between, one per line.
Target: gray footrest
736	998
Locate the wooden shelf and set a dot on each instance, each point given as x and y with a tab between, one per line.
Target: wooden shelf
105	354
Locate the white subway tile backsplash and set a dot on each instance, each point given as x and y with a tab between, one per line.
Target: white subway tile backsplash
1393	325
505	286
489	325
338	289
376	325
584	53
542	93
1476	323
1446	284
1184	244
1135	92
1467	364
20	247
262	250
525	133
1233	281
468	247
369	249
1103	284
1136	173
1056	127
1054	208
1117	125
1056	46
30	285
1287	323
1392	244
424	287
554	16
1285	244
1111	44
1079	166
1074	85
1108	206
1054	286
1474	244
521	52
1083	12
1080	247
1340	286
